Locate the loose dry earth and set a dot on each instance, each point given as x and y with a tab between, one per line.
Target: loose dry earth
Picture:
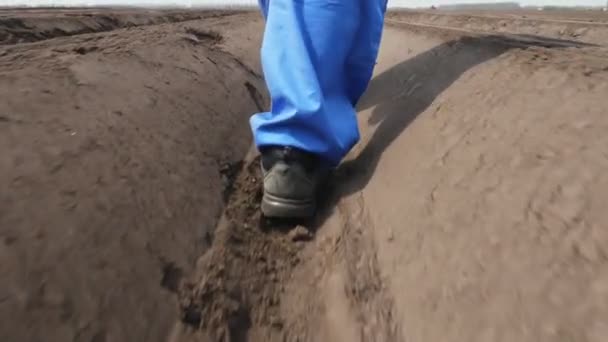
471	210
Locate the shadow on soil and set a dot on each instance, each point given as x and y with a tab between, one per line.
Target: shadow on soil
407	89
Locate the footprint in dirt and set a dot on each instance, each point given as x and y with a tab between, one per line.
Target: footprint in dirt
238	283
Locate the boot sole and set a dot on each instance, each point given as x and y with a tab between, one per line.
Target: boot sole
286	208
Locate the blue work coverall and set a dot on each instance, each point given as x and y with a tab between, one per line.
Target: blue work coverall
318	57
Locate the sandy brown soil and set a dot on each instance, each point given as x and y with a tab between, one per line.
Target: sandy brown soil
117	150
472	209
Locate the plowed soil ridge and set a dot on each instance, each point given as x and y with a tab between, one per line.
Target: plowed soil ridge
29	26
581	30
117	149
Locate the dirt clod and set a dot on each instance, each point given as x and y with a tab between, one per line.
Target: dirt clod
300	233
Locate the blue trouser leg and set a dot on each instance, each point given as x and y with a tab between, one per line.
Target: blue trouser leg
317	57
362	59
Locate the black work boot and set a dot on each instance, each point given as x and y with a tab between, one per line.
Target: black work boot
292	179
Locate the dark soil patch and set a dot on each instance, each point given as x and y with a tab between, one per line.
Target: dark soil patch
238	284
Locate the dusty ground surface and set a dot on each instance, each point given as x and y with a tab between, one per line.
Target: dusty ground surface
472	209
